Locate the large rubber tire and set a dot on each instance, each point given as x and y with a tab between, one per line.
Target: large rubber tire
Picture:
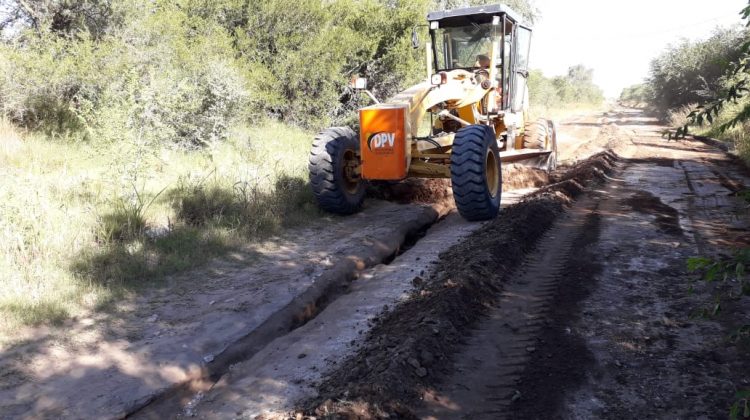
334	191
535	134
476	173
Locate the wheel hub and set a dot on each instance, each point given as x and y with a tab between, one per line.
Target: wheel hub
492	173
351	170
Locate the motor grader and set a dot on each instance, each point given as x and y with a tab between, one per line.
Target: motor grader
466	118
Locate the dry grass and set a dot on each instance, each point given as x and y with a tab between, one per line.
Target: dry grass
81	225
560	113
738	137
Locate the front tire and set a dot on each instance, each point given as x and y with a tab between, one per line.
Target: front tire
475	173
334	171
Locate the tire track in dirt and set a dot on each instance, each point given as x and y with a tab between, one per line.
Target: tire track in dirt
485	378
415	345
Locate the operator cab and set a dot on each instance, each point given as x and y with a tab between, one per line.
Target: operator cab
489	41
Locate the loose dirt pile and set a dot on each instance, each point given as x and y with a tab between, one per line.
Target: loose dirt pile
413	190
419	190
516	177
601	134
593	168
413	343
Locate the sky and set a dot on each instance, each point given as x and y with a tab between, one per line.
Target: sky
618	39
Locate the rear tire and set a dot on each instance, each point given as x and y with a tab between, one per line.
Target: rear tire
476	174
542	135
333	158
535	135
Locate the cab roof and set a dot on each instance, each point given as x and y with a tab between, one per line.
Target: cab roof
468	15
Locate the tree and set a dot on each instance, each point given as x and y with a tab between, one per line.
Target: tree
63	17
738	75
575	88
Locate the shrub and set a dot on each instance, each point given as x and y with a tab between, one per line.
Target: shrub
691	71
181	71
575	88
164	76
249	208
637	95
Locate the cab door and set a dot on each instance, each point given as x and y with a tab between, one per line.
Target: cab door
520	72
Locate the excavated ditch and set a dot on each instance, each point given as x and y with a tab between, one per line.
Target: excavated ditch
310	304
304	309
415	343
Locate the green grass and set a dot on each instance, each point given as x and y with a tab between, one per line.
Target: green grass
85	224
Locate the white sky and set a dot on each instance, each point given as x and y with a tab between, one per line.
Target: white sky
618	39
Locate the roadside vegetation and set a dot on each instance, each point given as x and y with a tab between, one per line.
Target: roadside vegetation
699	86
84	223
143	138
552	96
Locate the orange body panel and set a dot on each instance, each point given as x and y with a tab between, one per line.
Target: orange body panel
383	146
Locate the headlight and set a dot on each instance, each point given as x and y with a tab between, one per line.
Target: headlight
439	78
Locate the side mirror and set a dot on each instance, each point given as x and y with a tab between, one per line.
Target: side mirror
414	38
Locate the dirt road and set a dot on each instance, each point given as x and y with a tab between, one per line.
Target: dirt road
607	288
595	321
572	304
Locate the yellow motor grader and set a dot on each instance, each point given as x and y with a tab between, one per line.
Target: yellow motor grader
461	122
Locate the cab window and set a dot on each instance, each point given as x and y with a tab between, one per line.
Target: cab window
463	47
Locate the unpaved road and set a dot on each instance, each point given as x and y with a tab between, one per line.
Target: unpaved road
573	304
593	321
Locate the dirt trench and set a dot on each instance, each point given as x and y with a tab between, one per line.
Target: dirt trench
583	313
415	344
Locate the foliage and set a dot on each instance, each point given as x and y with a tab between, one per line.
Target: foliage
576	87
299	65
727	270
183	71
79	228
691	72
731	273
63	17
637	94
741	406
181	89
735	87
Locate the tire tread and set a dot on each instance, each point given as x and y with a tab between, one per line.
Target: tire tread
328	191
470	189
